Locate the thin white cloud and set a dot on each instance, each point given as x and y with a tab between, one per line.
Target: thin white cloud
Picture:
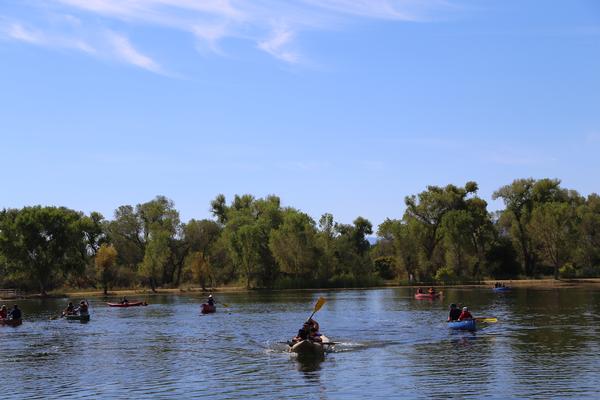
17	31
277	44
81	24
125	51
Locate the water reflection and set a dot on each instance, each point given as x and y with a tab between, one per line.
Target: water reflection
544	345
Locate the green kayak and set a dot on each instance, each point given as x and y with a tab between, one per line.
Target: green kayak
77	317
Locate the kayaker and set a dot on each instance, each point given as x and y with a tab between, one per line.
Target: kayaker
83	308
313	324
3	312
454	313
124	300
70	310
15	313
420	291
303	333
431	291
465	314
210	301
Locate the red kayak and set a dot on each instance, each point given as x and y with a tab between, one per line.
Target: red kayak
130	304
207	308
11	322
427	295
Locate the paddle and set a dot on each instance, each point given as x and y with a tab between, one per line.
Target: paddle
488	320
318	306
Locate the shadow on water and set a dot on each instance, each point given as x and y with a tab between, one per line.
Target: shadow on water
309	362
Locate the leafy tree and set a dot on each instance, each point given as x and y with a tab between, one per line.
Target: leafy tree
553	231
105	260
520	198
424	216
43	242
249	222
293	245
156	257
404	243
200	267
587	253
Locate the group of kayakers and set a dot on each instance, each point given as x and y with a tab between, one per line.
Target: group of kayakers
431	291
14	314
499	285
456	314
82	309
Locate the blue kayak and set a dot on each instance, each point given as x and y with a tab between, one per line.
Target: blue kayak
467	325
501	289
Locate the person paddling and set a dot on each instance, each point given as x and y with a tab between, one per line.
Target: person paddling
3	312
210	301
431	291
15	314
70	310
465	314
124	300
83	308
454	313
307	332
420	291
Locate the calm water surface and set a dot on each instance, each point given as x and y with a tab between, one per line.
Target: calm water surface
546	345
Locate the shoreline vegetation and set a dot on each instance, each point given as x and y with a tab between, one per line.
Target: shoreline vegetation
446	236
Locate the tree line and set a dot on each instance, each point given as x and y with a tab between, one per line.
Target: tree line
446	235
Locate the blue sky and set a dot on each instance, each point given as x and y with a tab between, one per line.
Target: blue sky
341	106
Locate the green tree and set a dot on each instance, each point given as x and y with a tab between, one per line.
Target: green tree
43	242
249	222
156	257
105	260
199	265
424	216
293	245
520	198
552	228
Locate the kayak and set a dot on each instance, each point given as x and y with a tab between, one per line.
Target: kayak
427	295
11	322
78	317
466	325
501	289
308	347
208	309
130	304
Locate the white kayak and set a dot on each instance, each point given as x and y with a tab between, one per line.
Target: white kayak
310	347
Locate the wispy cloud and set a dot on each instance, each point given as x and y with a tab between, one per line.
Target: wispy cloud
125	51
272	26
19	32
277	44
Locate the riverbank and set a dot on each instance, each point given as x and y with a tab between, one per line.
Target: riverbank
520	283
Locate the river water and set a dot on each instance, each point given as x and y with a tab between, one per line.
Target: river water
545	345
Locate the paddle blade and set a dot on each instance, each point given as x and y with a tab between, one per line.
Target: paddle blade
487	320
319	303
225	304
